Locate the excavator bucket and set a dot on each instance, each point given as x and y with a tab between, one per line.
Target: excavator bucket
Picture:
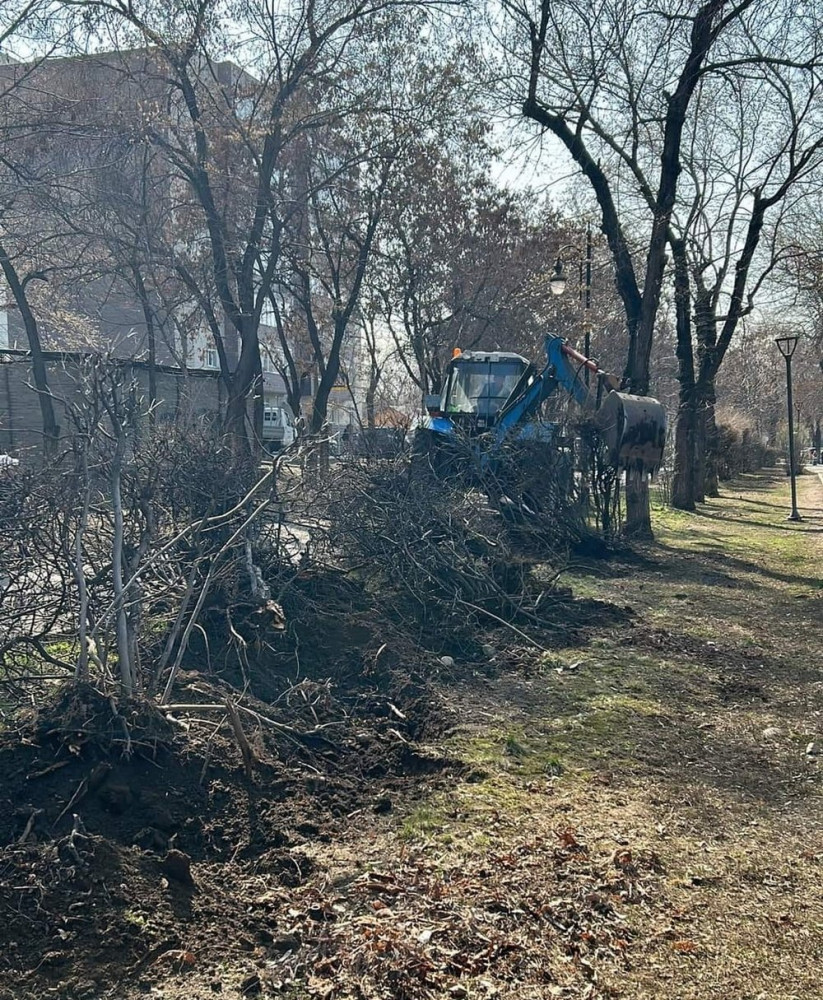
634	431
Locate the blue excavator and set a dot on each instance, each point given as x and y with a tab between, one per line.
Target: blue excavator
491	398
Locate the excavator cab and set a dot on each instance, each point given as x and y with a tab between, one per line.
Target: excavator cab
478	385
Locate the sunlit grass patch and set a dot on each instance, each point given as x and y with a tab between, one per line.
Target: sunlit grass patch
421	823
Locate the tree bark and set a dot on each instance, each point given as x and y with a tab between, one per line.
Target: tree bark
51	429
710	443
123	643
82	669
234	424
148	319
700	453
371	402
685	454
638	513
685	445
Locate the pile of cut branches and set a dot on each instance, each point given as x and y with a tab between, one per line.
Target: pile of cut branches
433	551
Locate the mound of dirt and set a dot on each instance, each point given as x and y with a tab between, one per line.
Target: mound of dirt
134	837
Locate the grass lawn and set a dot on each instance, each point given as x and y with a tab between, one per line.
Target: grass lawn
639	815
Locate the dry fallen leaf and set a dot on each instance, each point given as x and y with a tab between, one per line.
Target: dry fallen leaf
685	946
177	955
621	858
567	837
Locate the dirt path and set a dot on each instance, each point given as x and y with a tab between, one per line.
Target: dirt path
644	819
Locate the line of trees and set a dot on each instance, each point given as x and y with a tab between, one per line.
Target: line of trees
332	160
322	171
698	129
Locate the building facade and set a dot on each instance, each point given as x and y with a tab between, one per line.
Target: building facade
103	224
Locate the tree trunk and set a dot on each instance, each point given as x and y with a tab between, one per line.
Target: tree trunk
638	513
82	669
685	444
710	445
259	404
706	332
685	454
51	429
371	397
290	371
117	563
234	424
148	319
242	383
319	456
700	450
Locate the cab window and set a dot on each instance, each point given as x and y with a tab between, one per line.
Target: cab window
482	387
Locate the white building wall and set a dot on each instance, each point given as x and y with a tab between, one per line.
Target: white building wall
200	352
4	317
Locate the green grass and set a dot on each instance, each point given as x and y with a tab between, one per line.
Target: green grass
714	588
136	919
422	823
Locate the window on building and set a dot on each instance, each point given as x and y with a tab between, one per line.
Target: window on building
267	316
244	108
212	360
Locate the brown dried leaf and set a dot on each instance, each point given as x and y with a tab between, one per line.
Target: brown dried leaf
685	946
177	955
567	837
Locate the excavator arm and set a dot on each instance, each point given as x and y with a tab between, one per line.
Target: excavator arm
633	428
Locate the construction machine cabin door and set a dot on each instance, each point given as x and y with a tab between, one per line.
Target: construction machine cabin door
477	389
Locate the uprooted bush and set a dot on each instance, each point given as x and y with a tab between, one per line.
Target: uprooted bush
147	549
36	581
103	570
112	552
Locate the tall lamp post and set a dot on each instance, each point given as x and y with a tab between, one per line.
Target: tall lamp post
786	346
557	284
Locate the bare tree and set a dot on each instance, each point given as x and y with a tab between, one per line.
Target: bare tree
227	132
340	226
754	155
614	85
462	264
20	242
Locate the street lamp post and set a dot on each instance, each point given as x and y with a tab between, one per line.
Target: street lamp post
786	346
557	284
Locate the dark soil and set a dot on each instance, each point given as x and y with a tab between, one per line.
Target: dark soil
140	842
136	841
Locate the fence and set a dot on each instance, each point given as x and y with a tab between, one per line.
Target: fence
193	393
